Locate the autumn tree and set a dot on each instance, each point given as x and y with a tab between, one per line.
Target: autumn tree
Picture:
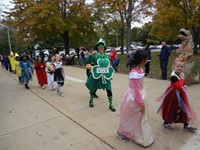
171	15
36	20
109	18
123	12
142	34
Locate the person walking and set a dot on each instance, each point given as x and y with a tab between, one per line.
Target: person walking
17	66
50	74
101	75
164	57
41	74
134	123
59	75
175	106
26	67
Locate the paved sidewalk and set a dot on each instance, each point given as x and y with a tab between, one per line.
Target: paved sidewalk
39	119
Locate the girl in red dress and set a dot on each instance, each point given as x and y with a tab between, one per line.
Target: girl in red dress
175	106
41	72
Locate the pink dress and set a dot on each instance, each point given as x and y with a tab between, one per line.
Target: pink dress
134	124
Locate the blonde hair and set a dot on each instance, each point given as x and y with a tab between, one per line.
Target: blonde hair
177	60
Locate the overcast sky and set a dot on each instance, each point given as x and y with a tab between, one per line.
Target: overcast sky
7	3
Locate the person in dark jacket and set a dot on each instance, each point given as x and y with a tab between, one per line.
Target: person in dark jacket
164	57
147	65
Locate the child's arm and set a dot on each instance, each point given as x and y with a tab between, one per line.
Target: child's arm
137	90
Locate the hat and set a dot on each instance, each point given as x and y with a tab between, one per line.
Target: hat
16	54
101	42
11	53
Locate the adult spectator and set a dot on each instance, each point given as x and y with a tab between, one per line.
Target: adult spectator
113	59
164	57
147	65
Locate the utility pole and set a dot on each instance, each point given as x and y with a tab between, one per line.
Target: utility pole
9	39
9	43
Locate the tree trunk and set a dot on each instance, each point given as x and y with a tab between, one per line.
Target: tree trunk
122	40
128	22
66	41
195	35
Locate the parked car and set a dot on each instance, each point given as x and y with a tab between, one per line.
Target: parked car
46	52
37	53
72	51
108	49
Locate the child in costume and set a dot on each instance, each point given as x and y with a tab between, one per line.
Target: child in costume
134	122
26	67
175	106
59	75
12	62
17	67
101	73
50	74
40	67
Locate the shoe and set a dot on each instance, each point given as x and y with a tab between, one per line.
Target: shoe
54	88
43	87
95	96
91	104
62	94
26	86
167	126
112	108
189	128
122	137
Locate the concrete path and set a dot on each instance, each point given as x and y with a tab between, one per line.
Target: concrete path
39	119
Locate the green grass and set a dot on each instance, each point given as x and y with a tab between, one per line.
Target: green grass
155	71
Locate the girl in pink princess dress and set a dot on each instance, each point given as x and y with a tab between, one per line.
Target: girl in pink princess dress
134	124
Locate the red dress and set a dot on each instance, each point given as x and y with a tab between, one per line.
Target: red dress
41	73
175	106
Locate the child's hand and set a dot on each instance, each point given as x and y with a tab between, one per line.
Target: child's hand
182	75
142	109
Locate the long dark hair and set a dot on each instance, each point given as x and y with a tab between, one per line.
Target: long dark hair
136	58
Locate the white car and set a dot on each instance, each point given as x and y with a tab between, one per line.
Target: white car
46	52
71	51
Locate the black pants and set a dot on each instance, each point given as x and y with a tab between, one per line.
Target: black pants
147	68
109	93
163	66
88	72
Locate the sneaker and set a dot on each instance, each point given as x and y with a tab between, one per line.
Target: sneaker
43	87
26	86
167	126
91	104
112	108
54	88
122	137
62	94
189	128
